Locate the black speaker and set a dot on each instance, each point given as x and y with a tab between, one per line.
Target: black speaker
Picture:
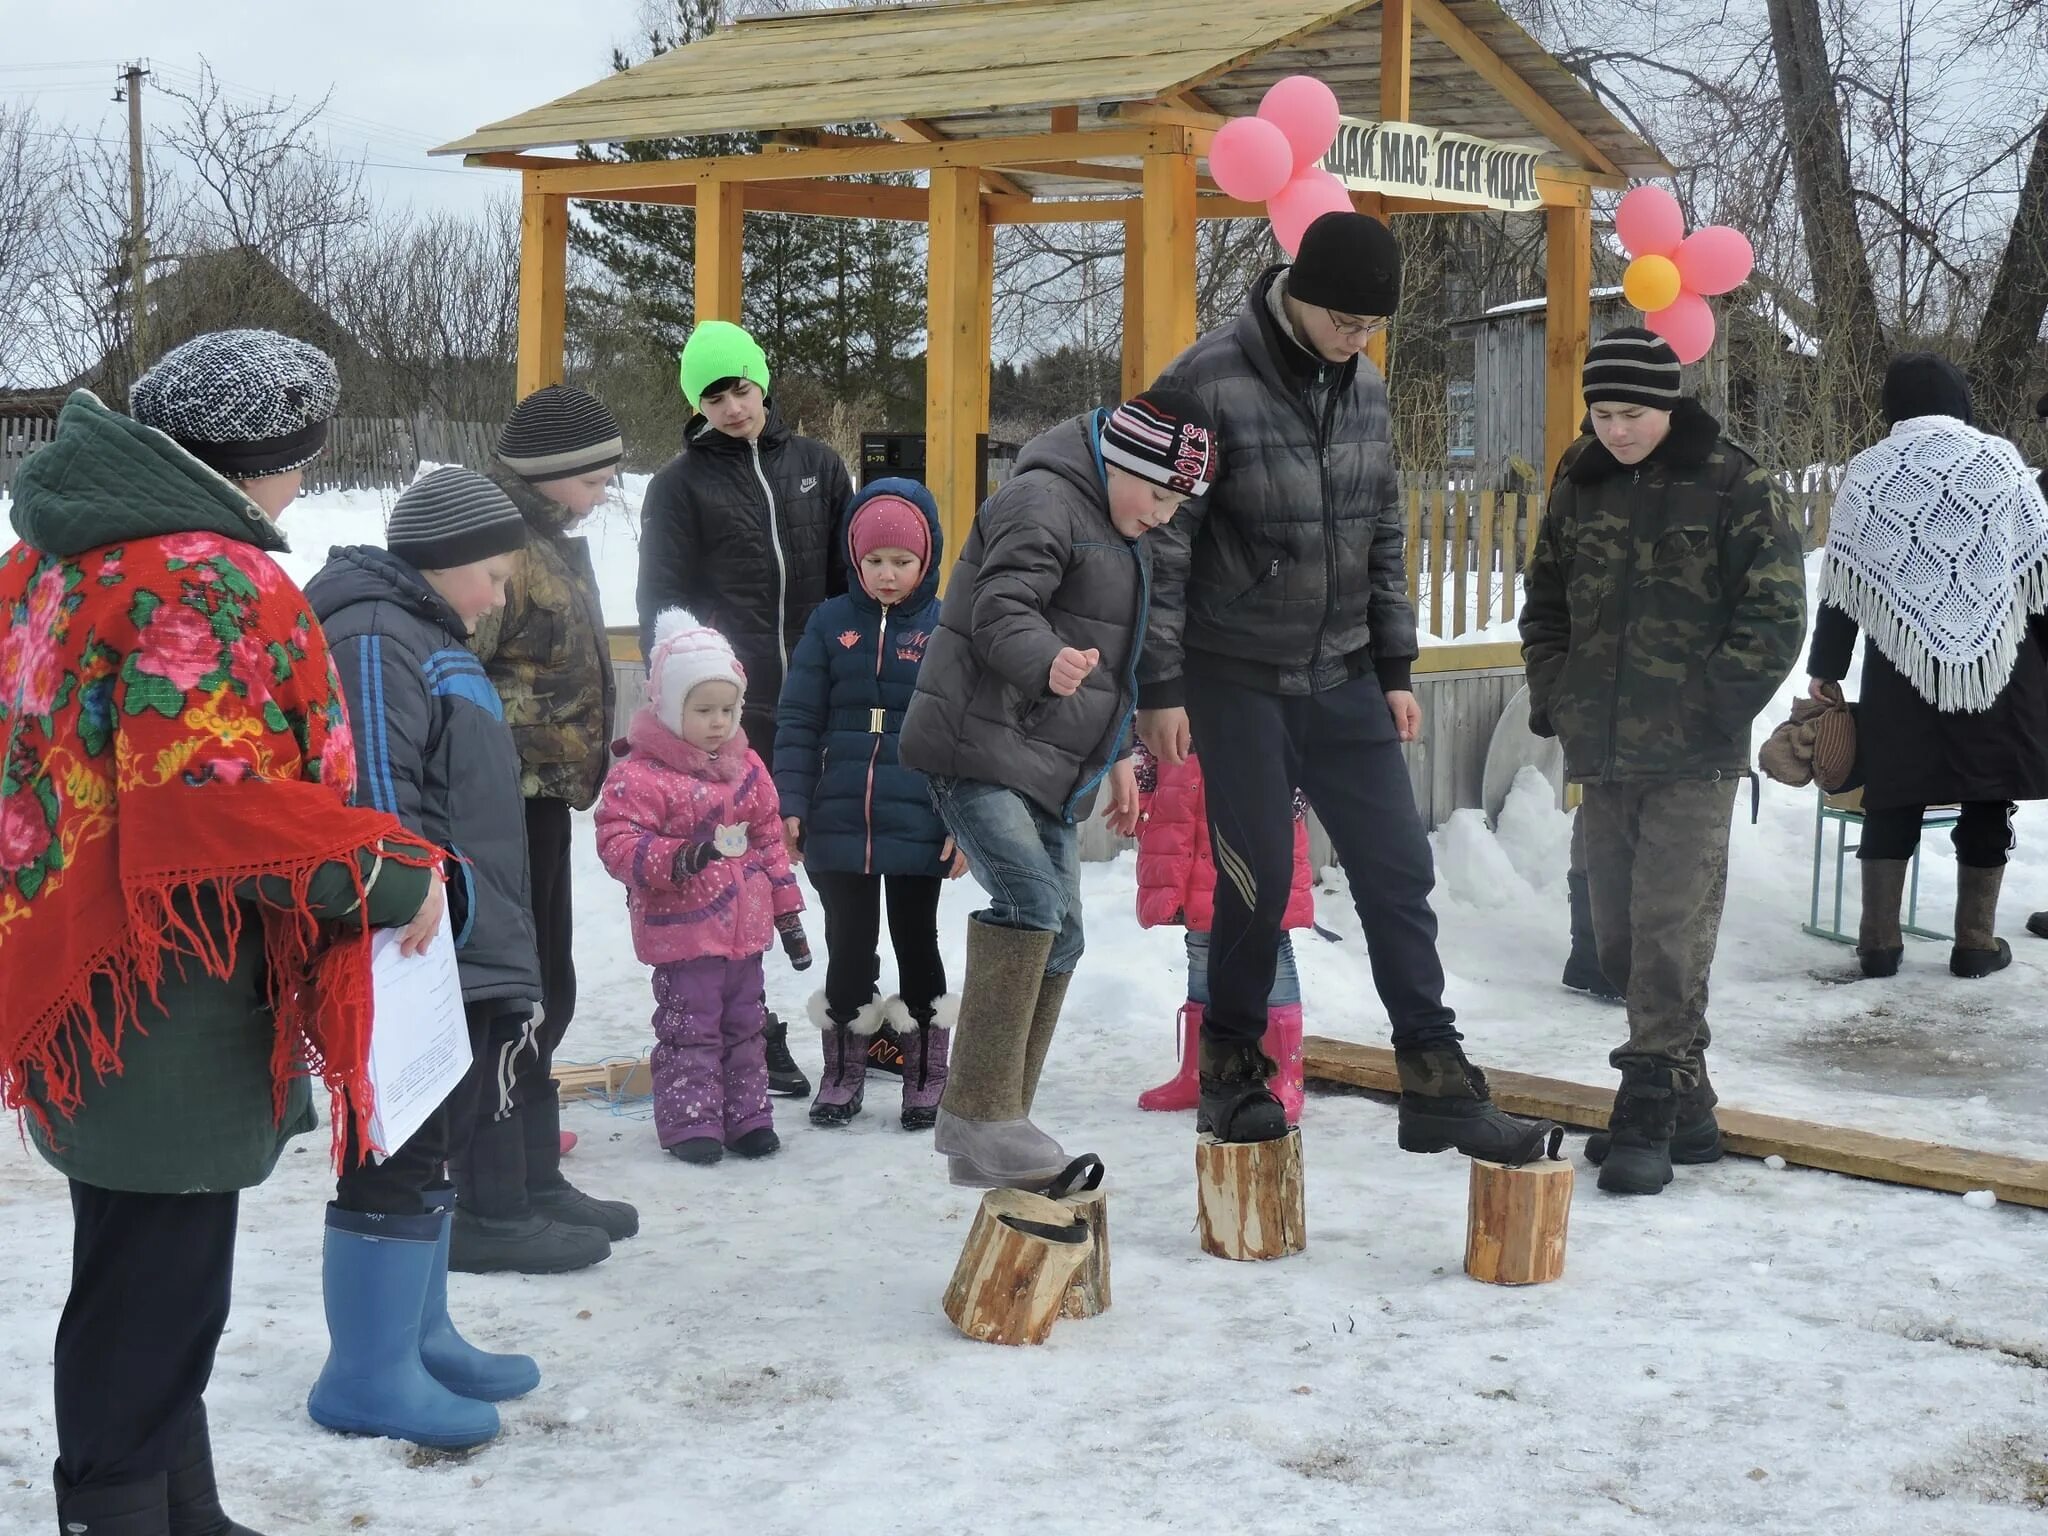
901	456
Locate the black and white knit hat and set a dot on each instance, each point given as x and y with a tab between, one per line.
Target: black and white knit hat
452	517
1632	366
247	403
557	432
1164	436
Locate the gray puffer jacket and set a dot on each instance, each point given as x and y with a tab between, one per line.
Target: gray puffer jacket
432	748
1043	569
1290	576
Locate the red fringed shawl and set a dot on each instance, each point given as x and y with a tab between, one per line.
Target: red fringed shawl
172	726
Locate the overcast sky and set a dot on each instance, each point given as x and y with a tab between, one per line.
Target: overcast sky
406	75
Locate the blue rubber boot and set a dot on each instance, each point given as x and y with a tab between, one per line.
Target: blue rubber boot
374	1277
455	1362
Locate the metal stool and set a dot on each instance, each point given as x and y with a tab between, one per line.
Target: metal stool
1846	811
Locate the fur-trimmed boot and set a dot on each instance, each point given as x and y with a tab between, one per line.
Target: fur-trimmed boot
1184	1089
926	1037
846	1037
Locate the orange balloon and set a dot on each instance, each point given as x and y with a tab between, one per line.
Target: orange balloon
1652	283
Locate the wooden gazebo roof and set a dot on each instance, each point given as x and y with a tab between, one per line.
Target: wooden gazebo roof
995	68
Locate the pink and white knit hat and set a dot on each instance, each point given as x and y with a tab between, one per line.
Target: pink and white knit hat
685	654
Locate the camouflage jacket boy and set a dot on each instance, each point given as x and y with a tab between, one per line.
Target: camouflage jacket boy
548	657
1665	603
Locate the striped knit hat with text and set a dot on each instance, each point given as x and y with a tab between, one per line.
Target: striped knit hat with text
558	432
452	517
1164	436
1631	366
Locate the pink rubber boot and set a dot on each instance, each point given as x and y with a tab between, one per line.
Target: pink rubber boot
1283	1044
568	1142
1184	1089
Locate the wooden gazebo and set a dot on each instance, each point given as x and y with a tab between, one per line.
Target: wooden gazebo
1052	111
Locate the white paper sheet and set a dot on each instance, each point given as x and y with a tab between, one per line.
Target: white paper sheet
419	1040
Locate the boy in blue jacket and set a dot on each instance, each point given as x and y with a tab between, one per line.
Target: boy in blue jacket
862	823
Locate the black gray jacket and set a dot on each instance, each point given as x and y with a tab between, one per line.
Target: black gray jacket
1290	576
1043	569
433	749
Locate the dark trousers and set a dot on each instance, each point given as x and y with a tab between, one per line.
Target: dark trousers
1982	838
853	934
414	1179
1340	749
549	857
150	1282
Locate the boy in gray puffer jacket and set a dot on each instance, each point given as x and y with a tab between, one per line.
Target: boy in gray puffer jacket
1023	708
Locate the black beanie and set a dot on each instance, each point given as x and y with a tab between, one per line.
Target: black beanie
1925	384
1631	366
451	517
1350	263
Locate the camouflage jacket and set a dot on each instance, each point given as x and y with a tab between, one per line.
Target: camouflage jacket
547	654
1665	604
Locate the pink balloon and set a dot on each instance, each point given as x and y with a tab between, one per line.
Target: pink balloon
1688	325
1649	222
1301	202
1251	159
1715	259
1304	109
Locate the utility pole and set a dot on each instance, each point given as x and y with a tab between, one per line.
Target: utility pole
130	91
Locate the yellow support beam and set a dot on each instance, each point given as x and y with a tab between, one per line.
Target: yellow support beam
1568	325
1397	39
543	288
721	216
1168	221
956	353
1498	73
985	321
1134	376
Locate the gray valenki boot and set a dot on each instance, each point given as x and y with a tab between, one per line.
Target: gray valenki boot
926	1036
983	1125
1978	950
1045	1023
846	1058
1880	946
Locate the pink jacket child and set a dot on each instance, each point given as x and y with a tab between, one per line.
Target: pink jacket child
1177	885
689	824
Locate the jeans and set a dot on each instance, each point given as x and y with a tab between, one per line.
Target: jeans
1026	858
1286	979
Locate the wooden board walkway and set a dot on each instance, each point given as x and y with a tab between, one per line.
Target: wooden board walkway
1892	1159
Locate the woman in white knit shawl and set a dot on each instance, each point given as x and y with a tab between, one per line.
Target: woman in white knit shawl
1938	552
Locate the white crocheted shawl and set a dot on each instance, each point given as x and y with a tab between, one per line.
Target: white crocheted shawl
1938	549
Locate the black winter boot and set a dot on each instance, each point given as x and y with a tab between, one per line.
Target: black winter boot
496	1227
193	1499
547	1192
1695	1138
885	1051
1445	1104
786	1079
1582	971
1236	1103
137	1507
1639	1130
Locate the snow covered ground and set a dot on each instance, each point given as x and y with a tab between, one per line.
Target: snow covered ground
1782	1352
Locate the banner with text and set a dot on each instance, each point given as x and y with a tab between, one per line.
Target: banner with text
1404	160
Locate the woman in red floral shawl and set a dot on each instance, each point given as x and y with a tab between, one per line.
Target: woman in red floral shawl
185	893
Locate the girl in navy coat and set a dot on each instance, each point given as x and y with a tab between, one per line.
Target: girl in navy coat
862	823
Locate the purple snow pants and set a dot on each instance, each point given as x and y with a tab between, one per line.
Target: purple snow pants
710	1059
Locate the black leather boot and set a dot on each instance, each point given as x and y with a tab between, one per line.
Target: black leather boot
547	1192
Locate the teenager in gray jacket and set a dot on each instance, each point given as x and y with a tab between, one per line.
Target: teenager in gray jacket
1023	709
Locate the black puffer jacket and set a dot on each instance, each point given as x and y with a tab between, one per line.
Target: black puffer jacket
432	748
743	534
1043	569
1290	576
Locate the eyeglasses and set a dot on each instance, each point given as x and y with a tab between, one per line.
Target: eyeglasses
1355	330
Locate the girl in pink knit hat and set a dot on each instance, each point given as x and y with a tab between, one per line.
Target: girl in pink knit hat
690	825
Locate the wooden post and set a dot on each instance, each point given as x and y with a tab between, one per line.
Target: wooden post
1414	546
1169	256
1515	1222
1461	556
956	356
721	219
1088	1295
1134	376
1507	607
1568	325
1249	1197
1397	52
1011	1281
543	288
1437	562
984	330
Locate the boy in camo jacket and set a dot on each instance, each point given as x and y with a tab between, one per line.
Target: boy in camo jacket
1665	603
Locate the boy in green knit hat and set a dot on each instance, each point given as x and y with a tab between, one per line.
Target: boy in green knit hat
740	529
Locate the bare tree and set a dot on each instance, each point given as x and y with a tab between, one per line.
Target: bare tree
31	171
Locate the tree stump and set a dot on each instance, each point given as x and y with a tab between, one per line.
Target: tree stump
1021	1256
1250	1197
1088	1295
1515	1222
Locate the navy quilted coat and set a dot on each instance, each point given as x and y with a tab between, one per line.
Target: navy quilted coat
850	680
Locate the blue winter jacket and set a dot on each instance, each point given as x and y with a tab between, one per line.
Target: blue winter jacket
850	680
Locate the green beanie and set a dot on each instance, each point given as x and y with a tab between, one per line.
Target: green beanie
716	350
